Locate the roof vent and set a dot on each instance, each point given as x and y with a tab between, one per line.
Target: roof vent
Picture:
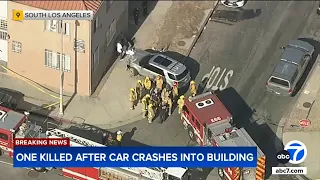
2	115
204	103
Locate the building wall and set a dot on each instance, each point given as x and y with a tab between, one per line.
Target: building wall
34	40
117	11
3	35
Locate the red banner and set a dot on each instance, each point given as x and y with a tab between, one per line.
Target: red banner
41	142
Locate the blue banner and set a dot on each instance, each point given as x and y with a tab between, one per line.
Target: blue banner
191	157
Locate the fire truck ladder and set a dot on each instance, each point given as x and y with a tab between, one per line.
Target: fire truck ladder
74	139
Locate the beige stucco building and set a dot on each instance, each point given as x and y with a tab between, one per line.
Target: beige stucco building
34	46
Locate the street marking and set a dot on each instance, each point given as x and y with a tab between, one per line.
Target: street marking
214	78
3	162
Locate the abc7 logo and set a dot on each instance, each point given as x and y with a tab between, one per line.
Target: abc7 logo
295	152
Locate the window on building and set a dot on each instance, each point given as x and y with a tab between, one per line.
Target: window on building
51	25
66	66
96	58
52	60
16	47
96	24
79	45
3	24
111	32
65	28
4	35
56	26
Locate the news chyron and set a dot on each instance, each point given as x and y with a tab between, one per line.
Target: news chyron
293	154
19	15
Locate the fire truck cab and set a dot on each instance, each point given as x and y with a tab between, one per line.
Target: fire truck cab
202	112
15	125
210	124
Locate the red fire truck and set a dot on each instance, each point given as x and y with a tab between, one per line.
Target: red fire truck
209	124
16	125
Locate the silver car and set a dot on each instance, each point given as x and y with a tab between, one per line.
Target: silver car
154	64
293	62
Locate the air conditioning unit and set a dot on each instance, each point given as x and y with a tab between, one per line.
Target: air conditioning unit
204	103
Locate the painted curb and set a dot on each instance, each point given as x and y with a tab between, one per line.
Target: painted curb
202	27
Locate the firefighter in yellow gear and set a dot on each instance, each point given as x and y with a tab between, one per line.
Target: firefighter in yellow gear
169	103
132	98
151	113
119	137
144	107
180	104
175	91
193	88
164	94
159	83
148	99
147	84
139	90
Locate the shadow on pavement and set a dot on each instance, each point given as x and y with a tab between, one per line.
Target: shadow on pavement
94	133
316	45
138	4
264	137
235	15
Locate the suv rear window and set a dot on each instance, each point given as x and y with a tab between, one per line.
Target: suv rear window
145	59
163	61
279	82
182	75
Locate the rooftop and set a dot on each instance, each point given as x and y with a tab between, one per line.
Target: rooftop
208	108
64	5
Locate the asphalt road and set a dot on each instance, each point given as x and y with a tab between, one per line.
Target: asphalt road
242	50
8	172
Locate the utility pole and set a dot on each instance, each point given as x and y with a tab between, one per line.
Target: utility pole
61	72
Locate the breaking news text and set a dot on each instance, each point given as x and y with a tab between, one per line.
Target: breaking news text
135	157
41	142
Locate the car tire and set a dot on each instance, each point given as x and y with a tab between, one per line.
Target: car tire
38	169
133	71
191	133
221	174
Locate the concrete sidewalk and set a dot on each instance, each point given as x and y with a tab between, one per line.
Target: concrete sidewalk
307	107
173	23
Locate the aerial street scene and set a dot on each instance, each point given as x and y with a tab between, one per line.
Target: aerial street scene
159	90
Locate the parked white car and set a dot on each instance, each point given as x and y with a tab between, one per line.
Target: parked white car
233	3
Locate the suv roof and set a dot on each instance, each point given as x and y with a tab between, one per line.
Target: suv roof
208	112
285	70
291	54
166	63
